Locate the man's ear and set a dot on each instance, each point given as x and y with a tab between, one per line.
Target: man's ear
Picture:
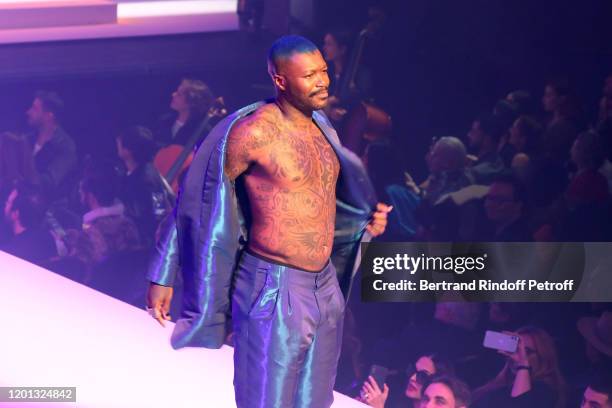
279	81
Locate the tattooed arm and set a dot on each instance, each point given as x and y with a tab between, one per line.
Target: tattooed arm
245	144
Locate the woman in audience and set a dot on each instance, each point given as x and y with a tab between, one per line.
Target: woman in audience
142	191
525	135
561	102
190	102
588	185
581	212
421	372
530	377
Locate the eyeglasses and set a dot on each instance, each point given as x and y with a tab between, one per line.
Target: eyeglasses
421	375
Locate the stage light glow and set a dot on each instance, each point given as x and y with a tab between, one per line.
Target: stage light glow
173	8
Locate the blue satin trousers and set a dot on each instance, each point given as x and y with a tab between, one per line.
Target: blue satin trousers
287	334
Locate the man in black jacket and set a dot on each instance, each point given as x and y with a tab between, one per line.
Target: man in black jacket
142	189
54	150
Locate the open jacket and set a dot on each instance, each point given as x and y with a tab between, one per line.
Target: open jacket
208	231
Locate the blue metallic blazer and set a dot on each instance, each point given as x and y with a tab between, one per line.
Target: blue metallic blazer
208	231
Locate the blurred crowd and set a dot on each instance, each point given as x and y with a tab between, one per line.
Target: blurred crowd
520	174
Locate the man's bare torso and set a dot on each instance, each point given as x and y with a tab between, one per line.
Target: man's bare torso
290	175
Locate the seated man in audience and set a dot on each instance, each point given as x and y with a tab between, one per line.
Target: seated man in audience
447	169
54	150
483	140
142	191
505	209
598	394
106	230
24	211
446	392
446	161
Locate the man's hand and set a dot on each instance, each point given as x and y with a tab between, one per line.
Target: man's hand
379	220
158	302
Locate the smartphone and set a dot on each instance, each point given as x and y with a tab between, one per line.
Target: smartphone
500	341
379	373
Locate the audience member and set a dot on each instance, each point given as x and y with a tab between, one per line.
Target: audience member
505	209
483	140
525	135
523	101
16	162
336	51
414	204
598	394
54	150
447	169
190	102
530	378
597	333
604	120
418	374
581	214
560	101
506	113
16	165
346	89
25	210
142	190
106	230
447	392
588	185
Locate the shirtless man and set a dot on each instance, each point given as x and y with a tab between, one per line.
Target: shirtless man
287	307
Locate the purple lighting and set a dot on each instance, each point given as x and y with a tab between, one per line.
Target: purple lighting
56	332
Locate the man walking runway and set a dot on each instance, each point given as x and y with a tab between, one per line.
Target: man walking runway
259	215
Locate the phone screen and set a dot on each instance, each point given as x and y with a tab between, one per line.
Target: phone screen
379	373
501	341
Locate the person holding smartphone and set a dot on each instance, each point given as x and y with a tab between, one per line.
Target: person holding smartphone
530	377
418	374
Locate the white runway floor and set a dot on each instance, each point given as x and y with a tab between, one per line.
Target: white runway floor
135	19
56	332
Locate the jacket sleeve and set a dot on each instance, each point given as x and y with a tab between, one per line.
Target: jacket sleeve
165	261
61	164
